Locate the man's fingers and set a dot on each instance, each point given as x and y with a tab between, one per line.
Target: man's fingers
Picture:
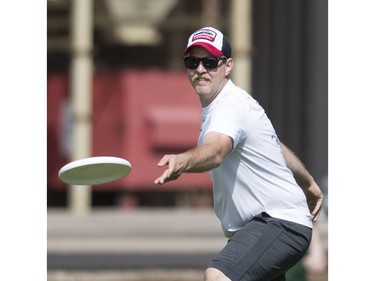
315	210
169	174
164	161
162	178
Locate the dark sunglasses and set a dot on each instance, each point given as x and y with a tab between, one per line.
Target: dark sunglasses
208	62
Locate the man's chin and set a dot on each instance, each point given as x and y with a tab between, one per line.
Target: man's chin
201	90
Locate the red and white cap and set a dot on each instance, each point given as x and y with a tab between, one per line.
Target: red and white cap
212	40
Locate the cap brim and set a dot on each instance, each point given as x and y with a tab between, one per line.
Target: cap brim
206	46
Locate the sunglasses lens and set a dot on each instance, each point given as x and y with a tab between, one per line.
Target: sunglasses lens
191	62
210	62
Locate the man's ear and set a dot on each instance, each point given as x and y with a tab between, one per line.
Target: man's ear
228	67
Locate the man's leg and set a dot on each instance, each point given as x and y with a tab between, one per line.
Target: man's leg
262	249
213	274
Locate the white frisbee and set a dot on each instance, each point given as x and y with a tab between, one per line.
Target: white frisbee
94	170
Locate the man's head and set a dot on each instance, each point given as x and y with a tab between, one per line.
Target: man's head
207	58
212	40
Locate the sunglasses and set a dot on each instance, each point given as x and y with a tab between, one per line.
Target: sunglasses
208	62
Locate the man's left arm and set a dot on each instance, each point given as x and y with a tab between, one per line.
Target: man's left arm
303	178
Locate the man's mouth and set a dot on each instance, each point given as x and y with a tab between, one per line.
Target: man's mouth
201	80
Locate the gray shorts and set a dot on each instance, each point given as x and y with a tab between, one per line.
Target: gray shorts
263	250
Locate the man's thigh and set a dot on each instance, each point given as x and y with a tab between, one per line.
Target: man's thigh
264	249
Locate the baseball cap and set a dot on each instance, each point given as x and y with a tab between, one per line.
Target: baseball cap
212	40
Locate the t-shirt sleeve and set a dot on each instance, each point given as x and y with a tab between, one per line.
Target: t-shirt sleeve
230	120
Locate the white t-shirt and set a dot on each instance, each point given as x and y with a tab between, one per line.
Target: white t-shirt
253	178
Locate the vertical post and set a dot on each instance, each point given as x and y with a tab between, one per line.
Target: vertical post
81	95
241	40
210	12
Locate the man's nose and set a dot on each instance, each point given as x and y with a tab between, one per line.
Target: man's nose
201	68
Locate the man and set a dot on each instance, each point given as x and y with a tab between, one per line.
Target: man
264	197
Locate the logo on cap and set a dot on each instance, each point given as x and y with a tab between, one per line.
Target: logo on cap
204	34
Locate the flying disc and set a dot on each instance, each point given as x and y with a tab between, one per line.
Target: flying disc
94	170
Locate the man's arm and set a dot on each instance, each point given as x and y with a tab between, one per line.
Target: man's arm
303	178
202	158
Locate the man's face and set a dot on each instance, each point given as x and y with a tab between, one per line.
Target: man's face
208	82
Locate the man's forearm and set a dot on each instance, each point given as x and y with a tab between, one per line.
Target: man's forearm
300	173
209	155
200	159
